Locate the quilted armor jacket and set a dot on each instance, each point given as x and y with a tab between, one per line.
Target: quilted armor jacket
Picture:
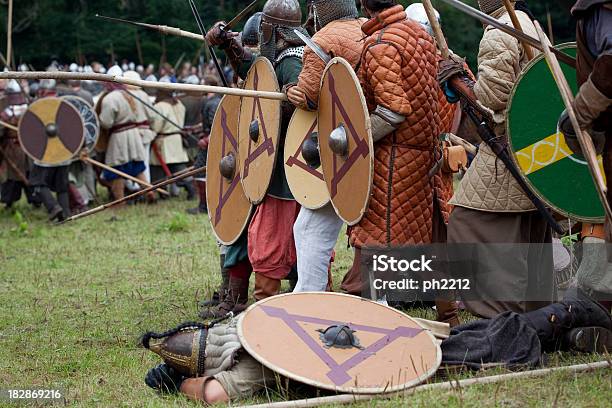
443	182
398	71
488	185
340	38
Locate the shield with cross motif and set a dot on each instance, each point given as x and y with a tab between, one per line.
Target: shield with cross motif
305	177
345	141
229	209
339	342
51	131
258	132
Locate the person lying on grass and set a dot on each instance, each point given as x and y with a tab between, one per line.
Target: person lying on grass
514	340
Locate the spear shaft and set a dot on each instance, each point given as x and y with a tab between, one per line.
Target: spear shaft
200	89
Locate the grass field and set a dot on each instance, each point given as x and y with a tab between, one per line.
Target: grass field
74	300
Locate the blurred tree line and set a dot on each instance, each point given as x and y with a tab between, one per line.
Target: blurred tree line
68	31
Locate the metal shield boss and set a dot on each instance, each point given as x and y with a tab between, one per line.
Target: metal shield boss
51	132
555	174
339	342
229	209
303	162
345	141
90	120
258	132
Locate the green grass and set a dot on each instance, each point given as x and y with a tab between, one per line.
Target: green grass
74	299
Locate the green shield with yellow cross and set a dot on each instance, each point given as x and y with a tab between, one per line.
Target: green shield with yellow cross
557	176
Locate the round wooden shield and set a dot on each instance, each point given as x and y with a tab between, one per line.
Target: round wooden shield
348	176
228	207
390	351
90	119
259	131
557	176
51	131
306	183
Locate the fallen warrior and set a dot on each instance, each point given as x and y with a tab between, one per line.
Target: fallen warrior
513	340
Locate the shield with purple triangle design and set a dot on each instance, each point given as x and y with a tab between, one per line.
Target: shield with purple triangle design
389	350
306	182
342	109
229	209
259	131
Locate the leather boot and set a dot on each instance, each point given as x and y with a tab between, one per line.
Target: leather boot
235	301
265	287
448	312
588	340
555	323
219	295
64	201
202	208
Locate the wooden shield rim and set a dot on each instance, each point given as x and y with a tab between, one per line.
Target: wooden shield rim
208	185
349	69
95	115
532	187
75	153
270	68
384	390
287	154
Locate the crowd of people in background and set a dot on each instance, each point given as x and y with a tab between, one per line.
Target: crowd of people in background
149	135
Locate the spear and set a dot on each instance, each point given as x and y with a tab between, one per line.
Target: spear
517	25
199	89
9	35
240	16
486	19
198	18
164	29
121	174
135	195
586	143
14	167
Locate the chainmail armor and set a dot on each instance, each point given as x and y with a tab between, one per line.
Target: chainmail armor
326	11
489	6
291	52
270	50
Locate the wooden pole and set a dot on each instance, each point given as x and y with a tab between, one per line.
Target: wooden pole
14	167
586	143
9	126
135	195
200	89
120	174
551	34
517	26
435	25
9	35
139	48
442	386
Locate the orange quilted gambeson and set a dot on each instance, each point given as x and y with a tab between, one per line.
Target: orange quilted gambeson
341	38
443	182
398	71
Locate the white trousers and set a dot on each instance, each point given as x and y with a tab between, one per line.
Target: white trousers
315	233
147	160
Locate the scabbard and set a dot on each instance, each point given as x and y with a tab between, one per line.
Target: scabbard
160	159
501	152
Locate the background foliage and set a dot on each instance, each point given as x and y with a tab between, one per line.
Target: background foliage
67	30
